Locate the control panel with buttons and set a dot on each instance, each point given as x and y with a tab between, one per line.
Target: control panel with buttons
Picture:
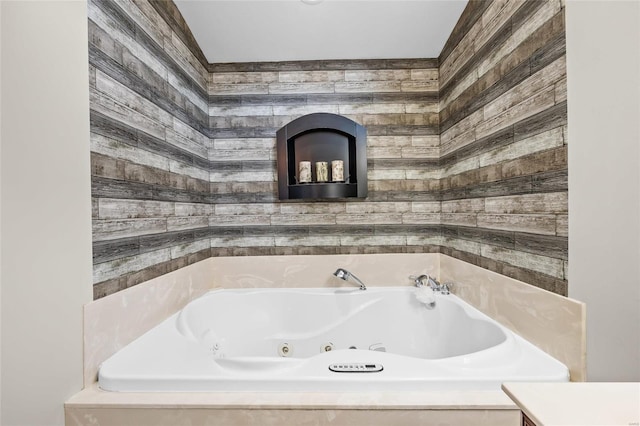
355	368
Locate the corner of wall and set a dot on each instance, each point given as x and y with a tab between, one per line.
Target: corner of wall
1	6
45	216
603	41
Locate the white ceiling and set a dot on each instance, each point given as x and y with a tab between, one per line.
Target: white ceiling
290	30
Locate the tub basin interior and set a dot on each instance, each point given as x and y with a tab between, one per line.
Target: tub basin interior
258	323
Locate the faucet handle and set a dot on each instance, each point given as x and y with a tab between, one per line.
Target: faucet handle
445	288
433	281
420	280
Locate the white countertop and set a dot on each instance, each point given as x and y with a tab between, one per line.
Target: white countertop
577	404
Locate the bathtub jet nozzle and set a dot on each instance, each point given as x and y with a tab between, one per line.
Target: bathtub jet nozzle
343	274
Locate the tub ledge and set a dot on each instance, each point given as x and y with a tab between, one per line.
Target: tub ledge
95	406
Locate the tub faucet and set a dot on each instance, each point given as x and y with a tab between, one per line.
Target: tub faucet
427	280
419	280
343	274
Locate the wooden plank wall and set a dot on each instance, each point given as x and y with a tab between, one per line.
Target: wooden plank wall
466	152
149	159
503	152
397	101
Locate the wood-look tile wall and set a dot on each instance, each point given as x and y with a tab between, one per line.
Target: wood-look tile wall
398	103
503	153
149	143
466	152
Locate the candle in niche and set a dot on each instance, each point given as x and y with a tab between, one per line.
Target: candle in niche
322	171
337	170
304	172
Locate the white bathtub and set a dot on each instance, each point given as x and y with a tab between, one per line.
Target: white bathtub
279	340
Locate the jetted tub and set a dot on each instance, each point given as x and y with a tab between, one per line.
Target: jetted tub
383	338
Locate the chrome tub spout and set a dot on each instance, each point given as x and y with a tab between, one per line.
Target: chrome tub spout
343	274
